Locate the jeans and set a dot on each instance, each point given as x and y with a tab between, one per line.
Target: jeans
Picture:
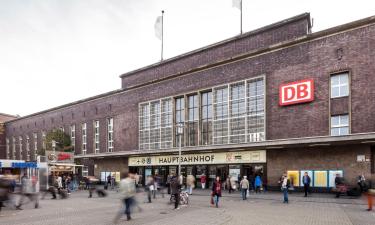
216	200
306	188
285	192
190	189
128	204
244	193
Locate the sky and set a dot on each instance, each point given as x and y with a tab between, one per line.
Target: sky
53	52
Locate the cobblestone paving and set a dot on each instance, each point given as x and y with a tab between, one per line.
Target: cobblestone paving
264	209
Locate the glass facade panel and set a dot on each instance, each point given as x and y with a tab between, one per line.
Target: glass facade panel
206	121
220	122
180	119
193	118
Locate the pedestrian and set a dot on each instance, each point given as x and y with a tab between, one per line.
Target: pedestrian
339	185
284	187
113	182
216	191
168	183
244	185
203	180
127	190
136	177
27	190
370	196
306	180
109	181
149	187
190	182
258	183
175	190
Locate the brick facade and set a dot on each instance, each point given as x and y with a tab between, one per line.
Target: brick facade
283	52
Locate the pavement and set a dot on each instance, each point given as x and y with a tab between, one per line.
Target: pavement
259	209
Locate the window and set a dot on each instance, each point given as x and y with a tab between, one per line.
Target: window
237	109
192	120
27	148
85	171
155	125
96	136
13	148
340	85
44	140
255	110
7	149
206	121
221	115
339	125
35	136
179	119
20	145
144	126
73	136
166	123
110	134
84	138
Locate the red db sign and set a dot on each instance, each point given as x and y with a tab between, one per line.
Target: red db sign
296	92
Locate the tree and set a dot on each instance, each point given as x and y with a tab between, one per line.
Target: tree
62	139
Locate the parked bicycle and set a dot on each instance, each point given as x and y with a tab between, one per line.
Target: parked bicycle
184	198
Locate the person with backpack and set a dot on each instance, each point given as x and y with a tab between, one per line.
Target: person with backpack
175	190
285	184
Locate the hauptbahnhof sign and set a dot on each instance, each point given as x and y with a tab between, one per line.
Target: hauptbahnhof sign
204	158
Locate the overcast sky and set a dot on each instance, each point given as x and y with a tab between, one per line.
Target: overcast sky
53	52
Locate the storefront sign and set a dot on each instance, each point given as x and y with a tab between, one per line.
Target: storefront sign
206	158
60	157
296	92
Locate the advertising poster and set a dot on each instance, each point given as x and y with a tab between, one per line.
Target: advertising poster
293	176
235	173
332	176
320	178
117	176
310	173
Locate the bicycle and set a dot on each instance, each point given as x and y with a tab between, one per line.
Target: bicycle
184	198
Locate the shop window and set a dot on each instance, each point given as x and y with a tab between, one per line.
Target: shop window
340	125
340	85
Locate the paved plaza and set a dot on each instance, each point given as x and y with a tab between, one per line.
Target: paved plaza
264	209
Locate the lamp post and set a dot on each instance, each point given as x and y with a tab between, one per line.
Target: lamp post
180	132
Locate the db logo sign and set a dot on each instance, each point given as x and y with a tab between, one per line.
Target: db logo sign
296	92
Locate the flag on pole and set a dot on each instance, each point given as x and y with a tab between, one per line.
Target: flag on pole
236	4
158	27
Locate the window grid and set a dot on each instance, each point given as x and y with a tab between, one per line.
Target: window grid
7	148
206	121
96	137
166	124
255	111
237	109
192	120
20	146
155	124
340	125
339	85
27	148
44	140
144	126
180	119
84	138
220	121
13	148
110	135
73	136
35	136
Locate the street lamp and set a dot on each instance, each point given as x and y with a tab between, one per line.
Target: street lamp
180	132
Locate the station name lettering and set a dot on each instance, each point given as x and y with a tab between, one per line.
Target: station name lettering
187	159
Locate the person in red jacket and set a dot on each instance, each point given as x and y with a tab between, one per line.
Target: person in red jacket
216	191
203	181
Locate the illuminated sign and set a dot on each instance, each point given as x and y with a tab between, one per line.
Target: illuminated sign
296	92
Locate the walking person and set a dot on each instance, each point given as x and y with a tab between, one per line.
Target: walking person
127	190
258	183
370	196
284	187
203	180
339	185
190	183
244	185
149	187
175	190
216	191
306	180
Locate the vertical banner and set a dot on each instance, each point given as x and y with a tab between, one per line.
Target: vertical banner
320	178
293	176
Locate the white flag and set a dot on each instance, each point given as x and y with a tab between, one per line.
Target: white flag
158	27
236	4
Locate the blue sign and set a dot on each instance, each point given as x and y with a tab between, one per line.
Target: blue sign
24	165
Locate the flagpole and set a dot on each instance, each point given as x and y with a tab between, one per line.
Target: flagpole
241	17
162	33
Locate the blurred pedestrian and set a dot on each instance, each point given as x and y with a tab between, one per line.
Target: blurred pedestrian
203	180
370	196
149	187
228	183
306	180
258	183
244	186
285	184
190	183
27	191
216	191
175	190
127	190
168	183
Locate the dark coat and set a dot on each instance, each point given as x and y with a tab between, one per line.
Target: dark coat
308	180
175	186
